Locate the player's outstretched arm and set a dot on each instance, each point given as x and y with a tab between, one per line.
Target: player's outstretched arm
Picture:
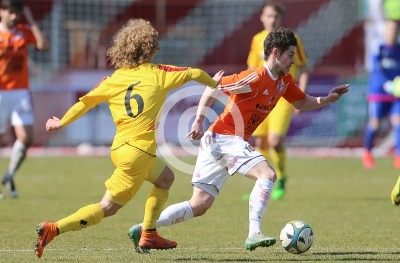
74	113
203	78
310	102
206	100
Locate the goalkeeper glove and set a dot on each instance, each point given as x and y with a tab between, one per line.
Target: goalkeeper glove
393	87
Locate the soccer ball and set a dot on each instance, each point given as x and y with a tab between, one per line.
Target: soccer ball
296	237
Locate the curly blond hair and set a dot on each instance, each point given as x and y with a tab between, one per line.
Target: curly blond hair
134	44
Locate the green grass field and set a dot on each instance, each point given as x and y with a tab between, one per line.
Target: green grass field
348	208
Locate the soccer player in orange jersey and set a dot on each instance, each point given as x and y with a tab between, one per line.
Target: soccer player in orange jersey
224	149
270	134
135	93
15	101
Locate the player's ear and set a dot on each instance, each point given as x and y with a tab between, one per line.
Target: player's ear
275	52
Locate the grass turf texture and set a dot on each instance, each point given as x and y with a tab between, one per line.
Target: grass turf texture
348	208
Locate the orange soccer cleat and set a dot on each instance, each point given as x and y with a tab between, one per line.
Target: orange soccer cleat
368	160
396	162
151	240
46	233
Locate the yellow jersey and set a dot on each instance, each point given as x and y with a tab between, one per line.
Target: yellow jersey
135	98
256	54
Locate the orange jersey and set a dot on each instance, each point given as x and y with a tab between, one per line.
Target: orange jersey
14	57
255	93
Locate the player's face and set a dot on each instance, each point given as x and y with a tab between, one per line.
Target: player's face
10	17
270	18
391	32
285	60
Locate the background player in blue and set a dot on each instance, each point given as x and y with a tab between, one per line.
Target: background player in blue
383	94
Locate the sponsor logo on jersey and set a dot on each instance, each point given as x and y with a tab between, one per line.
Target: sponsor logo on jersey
171	69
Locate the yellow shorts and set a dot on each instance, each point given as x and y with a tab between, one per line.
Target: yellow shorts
133	167
278	120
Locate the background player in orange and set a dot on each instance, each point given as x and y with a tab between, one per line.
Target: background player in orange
135	94
15	101
271	133
224	149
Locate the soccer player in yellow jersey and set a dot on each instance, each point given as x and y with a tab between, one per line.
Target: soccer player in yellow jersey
271	133
135	93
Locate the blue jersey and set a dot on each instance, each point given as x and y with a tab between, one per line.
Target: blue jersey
386	66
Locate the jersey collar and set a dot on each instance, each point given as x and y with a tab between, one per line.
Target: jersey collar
6	30
269	72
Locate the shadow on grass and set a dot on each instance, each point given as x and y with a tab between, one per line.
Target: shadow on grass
355	253
311	257
219	260
371	199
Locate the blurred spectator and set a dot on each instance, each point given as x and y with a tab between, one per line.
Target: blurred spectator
374	19
374	13
384	91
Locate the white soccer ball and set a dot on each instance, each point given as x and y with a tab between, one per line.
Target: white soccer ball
296	237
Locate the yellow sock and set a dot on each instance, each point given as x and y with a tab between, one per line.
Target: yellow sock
265	153
279	163
154	205
86	216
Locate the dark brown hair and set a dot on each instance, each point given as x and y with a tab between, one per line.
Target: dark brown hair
17	5
281	39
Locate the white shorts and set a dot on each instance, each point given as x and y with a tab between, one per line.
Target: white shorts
220	156
15	108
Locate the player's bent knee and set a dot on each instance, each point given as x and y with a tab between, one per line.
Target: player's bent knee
262	170
201	201
201	208
275	141
272	177
109	208
165	180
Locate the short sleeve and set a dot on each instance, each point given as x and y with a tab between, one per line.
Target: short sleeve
293	92
239	83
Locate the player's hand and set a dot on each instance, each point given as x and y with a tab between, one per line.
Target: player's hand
393	87
337	92
197	131
53	124
28	15
218	76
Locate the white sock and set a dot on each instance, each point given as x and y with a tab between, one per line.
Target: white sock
258	201
18	154
175	214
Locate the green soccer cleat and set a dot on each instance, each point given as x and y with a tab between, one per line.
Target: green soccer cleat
277	193
259	240
134	234
279	190
395	196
